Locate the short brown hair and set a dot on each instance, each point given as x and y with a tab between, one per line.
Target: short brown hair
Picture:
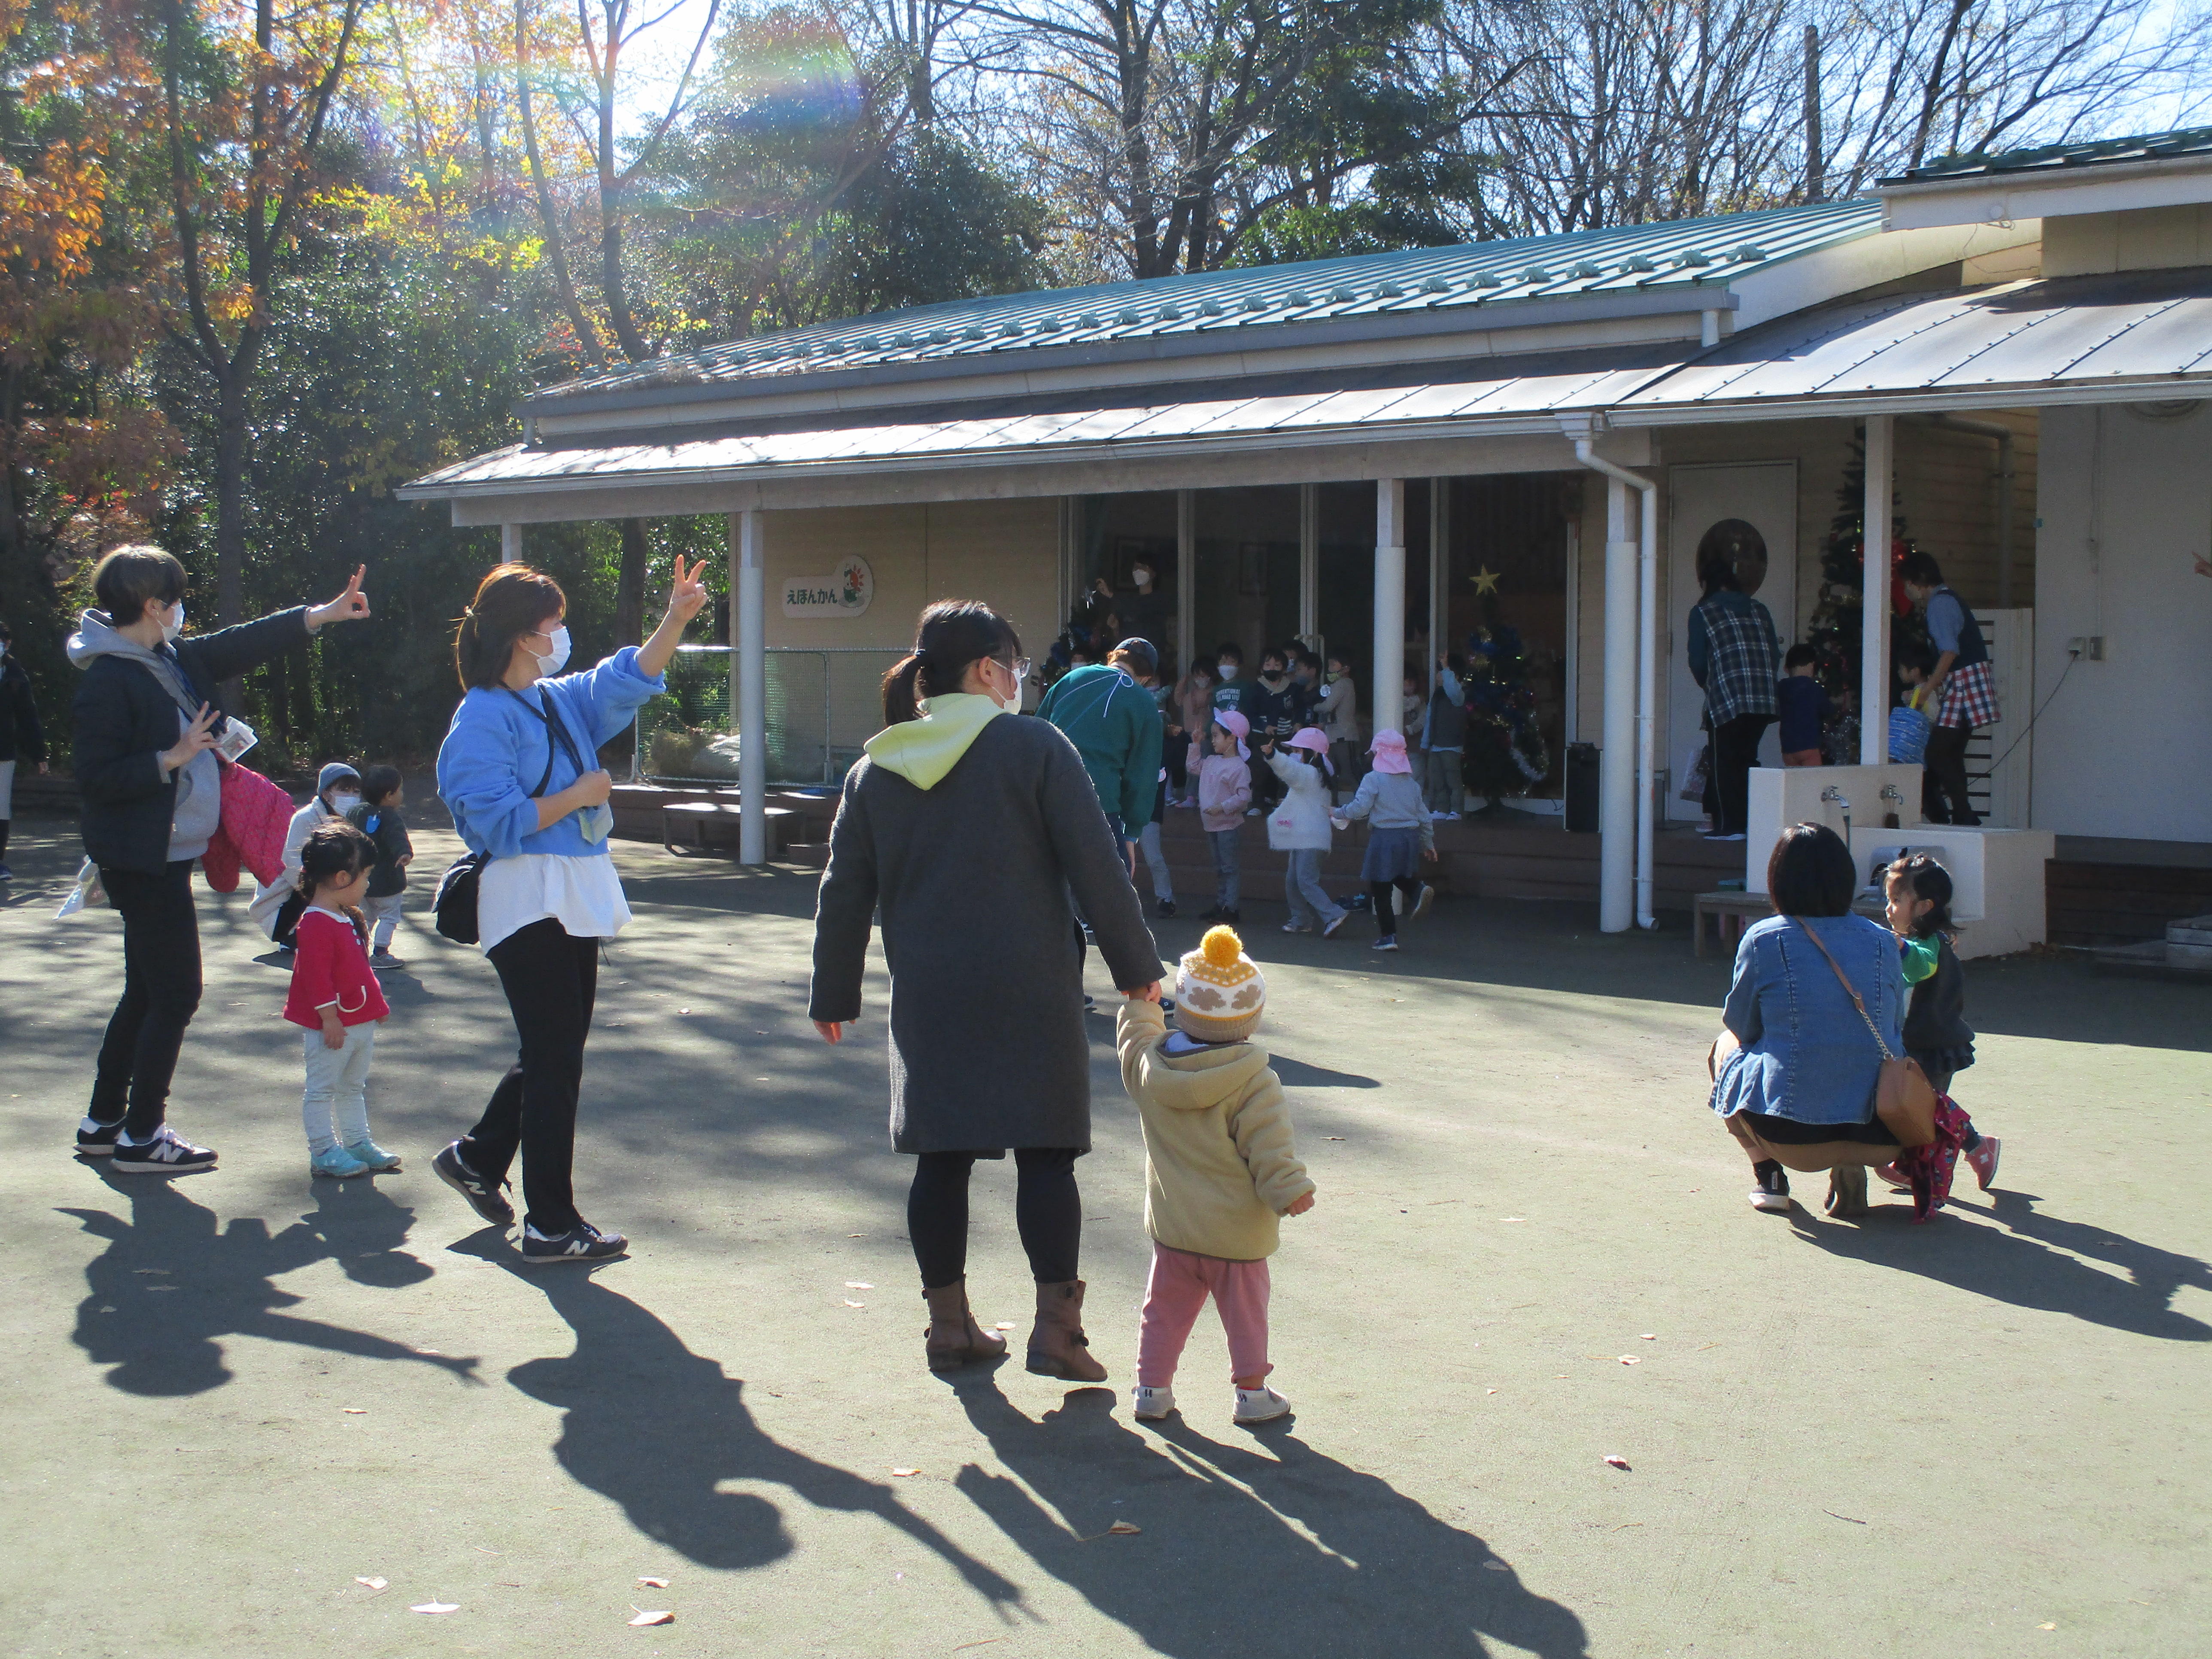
1810	872
125	580
510	602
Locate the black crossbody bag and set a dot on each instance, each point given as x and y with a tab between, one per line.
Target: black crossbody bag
455	907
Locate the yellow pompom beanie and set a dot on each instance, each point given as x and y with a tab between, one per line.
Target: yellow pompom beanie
1219	992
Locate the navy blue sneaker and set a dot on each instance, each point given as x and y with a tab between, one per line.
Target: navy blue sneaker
482	1195
97	1139
167	1153
581	1242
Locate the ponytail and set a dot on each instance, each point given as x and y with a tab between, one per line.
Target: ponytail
1924	878
335	848
949	636
510	601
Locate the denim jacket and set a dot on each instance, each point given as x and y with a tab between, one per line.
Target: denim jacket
1807	1055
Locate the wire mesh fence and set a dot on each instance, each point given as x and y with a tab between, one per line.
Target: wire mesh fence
822	706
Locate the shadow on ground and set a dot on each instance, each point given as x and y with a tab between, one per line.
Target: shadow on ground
659	1430
169	1285
2024	1260
1267	1547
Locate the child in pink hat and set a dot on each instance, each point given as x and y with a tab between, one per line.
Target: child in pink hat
1298	828
1400	834
1224	790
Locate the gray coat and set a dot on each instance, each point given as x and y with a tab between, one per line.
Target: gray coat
987	1043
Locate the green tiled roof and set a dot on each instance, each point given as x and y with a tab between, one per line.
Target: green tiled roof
1684	254
2064	158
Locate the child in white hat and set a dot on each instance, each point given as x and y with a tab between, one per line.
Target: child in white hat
1219	1171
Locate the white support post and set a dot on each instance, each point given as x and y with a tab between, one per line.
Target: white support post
1187	578
748	600
1873	633
1439	565
510	544
1390	681
1309	564
1617	750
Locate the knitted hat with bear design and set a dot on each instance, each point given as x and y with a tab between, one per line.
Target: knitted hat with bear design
1220	991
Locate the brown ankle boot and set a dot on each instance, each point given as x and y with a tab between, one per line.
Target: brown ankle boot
1057	1344
954	1338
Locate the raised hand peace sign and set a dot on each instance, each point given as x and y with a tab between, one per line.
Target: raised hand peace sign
687	594
352	606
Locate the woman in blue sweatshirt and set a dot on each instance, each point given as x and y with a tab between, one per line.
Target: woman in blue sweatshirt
520	771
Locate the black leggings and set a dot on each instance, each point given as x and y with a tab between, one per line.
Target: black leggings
161	993
551	980
1048	1213
1385	923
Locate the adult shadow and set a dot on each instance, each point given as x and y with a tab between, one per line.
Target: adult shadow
2029	1259
659	1430
169	1285
1302	1074
1293	1553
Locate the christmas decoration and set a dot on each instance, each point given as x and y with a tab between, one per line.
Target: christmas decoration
1836	631
1504	751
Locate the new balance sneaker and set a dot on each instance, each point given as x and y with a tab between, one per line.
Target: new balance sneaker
1772	1193
1388	942
97	1139
336	1162
1259	1404
1152	1404
482	1195
581	1242
383	958
1983	1157
167	1153
374	1157
1422	901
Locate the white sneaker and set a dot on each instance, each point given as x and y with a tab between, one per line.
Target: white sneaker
1152	1404
1422	900
1328	928
1296	927
1261	1405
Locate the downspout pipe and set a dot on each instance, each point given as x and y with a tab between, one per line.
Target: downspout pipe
2005	437
1647	661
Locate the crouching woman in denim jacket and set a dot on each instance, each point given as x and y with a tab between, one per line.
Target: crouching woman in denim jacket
520	771
1796	1069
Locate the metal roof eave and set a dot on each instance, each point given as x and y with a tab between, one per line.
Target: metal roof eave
2031	394
702	400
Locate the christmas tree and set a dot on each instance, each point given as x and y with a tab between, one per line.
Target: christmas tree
1838	615
1504	751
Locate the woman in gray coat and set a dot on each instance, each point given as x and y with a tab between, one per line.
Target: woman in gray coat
968	826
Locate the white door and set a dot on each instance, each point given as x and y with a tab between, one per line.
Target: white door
1763	495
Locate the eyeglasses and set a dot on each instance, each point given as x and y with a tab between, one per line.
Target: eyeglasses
1019	667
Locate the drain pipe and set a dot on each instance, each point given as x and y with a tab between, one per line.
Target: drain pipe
1647	655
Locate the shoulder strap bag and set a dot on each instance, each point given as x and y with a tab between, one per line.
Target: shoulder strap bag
1904	1099
455	907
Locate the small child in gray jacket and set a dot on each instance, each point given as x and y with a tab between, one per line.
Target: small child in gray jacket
1398	835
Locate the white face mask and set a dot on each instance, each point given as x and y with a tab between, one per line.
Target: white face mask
1142	577
171	630
1228	670
343	805
553	663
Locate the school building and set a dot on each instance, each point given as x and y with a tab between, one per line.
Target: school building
1383	452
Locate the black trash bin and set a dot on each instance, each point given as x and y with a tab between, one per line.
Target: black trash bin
1581	788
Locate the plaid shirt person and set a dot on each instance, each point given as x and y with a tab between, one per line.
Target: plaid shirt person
1970	697
1743	656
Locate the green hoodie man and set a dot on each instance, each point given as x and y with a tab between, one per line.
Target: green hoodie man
1115	726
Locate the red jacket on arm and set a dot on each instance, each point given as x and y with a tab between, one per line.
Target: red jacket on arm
333	966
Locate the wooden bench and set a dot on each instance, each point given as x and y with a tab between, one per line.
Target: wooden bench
1728	912
712	826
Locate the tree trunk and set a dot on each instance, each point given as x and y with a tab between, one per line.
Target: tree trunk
629	584
231	436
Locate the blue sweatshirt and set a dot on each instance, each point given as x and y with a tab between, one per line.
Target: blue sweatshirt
494	753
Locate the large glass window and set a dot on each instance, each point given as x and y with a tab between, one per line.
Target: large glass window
1122	535
1507	577
1247	585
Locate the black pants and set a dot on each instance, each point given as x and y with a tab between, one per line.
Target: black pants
550	980
160	992
4	825
1943	783
1048	1213
1386	923
1728	786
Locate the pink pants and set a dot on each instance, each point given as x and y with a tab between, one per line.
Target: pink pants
1174	1295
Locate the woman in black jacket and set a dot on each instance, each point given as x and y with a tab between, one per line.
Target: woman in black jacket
21	738
146	727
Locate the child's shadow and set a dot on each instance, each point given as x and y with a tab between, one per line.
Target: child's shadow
1293	1553
169	1285
661	1430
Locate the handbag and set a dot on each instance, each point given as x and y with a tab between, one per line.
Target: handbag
454	908
1904	1099
1700	770
1908	734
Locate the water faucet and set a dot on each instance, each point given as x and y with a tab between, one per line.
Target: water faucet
1891	792
1832	794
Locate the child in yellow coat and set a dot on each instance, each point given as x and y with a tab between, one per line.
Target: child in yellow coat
1219	1171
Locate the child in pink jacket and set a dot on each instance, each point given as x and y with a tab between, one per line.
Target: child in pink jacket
1224	790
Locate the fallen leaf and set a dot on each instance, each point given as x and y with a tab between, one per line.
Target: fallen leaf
481	1550
1616	1459
1003	1325
644	1618
1125	1529
1332	1137
373	1583
680	1010
1491	1391
436	1607
1516	1217
1630	1359
2046	1627
905	1472
857	1284
354	1410
1650	1336
851	1303
653	1584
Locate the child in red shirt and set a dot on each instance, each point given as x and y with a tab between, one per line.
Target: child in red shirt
335	996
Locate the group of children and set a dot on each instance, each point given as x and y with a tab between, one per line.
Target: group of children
339	898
